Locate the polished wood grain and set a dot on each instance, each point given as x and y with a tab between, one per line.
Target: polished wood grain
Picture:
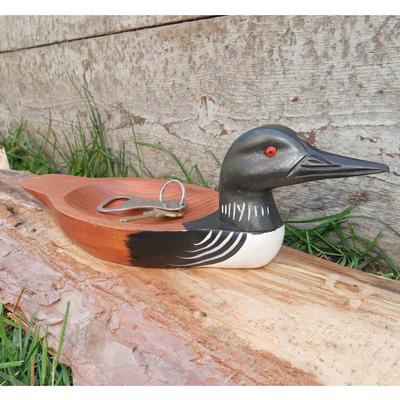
196	86
300	320
72	201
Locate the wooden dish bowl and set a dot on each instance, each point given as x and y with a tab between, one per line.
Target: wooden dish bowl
72	201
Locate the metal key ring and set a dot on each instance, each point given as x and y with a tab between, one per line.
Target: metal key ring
182	203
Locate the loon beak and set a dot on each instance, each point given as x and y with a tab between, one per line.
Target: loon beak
318	164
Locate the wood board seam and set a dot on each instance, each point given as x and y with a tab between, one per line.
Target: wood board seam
117	32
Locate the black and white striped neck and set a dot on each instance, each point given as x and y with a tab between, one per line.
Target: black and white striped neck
251	212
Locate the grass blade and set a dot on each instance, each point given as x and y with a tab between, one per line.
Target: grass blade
56	359
9	364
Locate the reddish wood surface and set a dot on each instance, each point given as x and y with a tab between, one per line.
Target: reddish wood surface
72	201
300	320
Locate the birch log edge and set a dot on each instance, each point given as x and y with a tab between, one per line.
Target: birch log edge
299	321
3	159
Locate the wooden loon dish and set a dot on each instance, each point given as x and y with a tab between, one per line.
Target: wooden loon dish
239	227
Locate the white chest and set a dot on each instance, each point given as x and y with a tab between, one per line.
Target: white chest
257	251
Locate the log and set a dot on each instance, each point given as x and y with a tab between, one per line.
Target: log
301	320
197	85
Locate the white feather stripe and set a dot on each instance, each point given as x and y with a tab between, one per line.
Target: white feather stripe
241	211
208	246
204	240
215	257
257	251
222	244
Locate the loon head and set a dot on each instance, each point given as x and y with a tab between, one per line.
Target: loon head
269	157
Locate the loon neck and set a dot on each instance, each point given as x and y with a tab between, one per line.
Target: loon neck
251	212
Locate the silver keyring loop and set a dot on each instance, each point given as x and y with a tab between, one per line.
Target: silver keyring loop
182	203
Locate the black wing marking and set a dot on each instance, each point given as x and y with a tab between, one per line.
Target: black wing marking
183	249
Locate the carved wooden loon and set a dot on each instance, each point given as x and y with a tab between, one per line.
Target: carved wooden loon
241	229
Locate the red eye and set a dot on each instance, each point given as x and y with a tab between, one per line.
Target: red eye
270	151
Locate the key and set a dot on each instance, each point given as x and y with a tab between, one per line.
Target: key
133	202
153	213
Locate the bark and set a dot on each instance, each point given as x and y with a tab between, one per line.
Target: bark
301	320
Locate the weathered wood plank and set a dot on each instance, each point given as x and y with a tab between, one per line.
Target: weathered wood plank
22	31
198	85
301	320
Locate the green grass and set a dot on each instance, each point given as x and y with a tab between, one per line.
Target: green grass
25	358
27	152
335	238
84	150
